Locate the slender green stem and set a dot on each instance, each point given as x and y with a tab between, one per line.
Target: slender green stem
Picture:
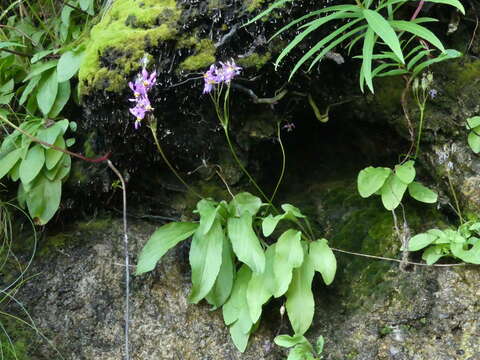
232	150
454	194
419	136
153	129
282	173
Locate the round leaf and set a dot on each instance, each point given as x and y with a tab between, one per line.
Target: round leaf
392	192
422	193
406	171
371	179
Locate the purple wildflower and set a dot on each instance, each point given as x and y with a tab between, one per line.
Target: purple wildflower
289	126
142	85
210	78
217	75
433	93
229	70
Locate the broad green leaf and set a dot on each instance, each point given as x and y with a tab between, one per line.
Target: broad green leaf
301	352
288	341
246	202
8	161
406	172
7	87
162	240
40	68
392	192
245	243
43	200
68	65
473	255
261	286
288	255
473	122
432	254
420	241
474	140
270	223
418	30
300	303
292	211
49	134
52	156
422	193
5	99
62	98
222	288
47	91
323	260
32	164
239	337
371	179
205	260
383	29
367	53
208	212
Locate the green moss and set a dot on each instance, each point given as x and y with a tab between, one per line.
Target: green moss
252	5
122	37
204	56
255	60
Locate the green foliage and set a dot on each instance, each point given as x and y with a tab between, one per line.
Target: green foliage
473	125
377	27
40	169
463	243
226	239
301	349
391	185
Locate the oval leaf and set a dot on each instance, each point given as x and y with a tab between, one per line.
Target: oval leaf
392	192
32	164
420	241
47	91
323	260
371	179
422	193
406	172
68	65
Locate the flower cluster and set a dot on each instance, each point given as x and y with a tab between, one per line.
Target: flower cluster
142	85
222	74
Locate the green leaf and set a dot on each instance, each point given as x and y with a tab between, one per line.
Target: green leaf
52	156
205	261
272	7
323	260
245	243
208	212
422	193
406	172
432	254
473	122
420	241
301	352
40	68
261	286
162	240
32	164
292	211
47	91
49	134
43	199
419	31
288	341
300	303
239	337
64	166
392	192
32	84
367	53
383	29
62	98
447	55
222	288
40	55
246	202
270	223
371	179
68	65
454	3
288	255
8	161
6	44
474	140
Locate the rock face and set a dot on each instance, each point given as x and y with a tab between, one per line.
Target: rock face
77	301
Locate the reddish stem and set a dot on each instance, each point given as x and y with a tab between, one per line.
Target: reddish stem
417	10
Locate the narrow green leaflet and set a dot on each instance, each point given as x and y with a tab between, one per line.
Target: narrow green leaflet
288	255
205	260
300	303
323	260
392	192
47	91
32	164
406	172
454	3
420	241
383	29
68	65
419	31
261	286
367	53
32	84
223	284
371	179
245	243
162	240
8	161
422	193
